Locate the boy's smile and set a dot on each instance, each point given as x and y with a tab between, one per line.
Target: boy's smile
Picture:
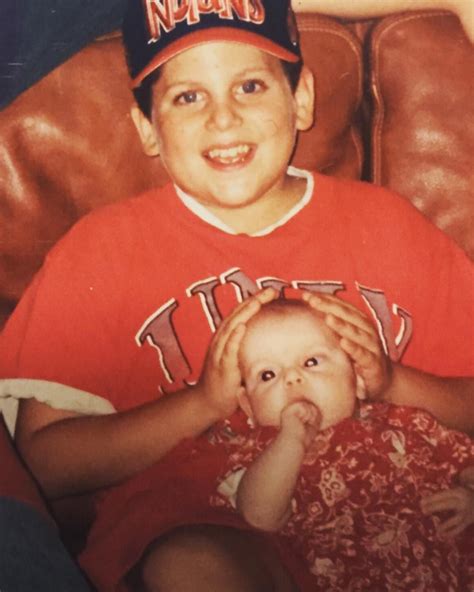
227	157
224	122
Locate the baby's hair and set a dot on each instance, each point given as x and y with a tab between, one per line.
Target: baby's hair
283	307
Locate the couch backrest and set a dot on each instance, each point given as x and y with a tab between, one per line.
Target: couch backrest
422	78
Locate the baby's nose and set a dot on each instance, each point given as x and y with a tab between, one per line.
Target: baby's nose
293	377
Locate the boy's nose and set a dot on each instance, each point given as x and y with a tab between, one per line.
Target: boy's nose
223	115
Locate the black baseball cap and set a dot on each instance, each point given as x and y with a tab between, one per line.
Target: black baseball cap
154	31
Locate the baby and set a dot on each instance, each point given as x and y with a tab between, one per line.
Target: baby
356	487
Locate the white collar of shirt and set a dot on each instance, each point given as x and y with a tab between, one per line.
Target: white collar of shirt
202	212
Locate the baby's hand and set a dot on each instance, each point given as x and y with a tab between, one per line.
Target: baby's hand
301	421
221	379
460	501
359	339
466	477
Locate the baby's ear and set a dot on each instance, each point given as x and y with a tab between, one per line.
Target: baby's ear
244	403
361	391
146	132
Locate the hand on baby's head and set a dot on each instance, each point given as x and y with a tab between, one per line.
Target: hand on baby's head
360	340
221	380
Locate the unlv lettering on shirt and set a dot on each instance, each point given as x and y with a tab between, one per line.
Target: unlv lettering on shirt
159	331
164	14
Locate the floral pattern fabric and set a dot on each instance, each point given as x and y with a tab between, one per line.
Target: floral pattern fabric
356	520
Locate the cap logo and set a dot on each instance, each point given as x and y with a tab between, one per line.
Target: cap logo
163	15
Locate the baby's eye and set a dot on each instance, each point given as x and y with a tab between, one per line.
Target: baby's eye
187	98
267	375
310	362
250	86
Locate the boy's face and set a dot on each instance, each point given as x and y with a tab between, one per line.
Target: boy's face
291	357
224	119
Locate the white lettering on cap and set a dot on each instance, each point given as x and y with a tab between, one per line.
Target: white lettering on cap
163	15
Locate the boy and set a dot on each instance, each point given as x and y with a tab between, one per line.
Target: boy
337	495
120	317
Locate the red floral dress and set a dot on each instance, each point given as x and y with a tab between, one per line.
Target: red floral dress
357	522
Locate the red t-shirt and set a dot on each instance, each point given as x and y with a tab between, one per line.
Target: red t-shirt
126	304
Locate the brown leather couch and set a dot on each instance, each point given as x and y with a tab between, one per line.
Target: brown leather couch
395	104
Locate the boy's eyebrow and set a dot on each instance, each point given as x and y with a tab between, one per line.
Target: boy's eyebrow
191	82
251	71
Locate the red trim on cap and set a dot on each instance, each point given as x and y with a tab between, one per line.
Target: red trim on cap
214	34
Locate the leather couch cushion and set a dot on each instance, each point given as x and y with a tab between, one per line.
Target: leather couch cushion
68	144
423	137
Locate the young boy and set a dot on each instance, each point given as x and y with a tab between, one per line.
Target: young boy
121	315
349	498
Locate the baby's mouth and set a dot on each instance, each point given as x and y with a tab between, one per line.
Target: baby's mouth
230	155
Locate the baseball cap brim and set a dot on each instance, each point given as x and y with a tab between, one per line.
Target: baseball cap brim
199	37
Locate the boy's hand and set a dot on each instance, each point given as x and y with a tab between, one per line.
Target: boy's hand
460	501
359	339
221	380
301	421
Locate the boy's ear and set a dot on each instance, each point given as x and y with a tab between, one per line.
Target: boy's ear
146	131
304	98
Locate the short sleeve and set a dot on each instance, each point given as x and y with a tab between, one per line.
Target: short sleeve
62	331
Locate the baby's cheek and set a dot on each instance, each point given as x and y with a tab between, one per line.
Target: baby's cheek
268	410
338	411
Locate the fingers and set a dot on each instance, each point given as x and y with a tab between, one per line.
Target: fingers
359	339
338	309
444	501
362	355
302	420
221	377
240	316
305	412
231	347
452	527
309	414
457	500
346	320
466	477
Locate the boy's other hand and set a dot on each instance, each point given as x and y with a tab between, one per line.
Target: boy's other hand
459	501
221	380
301	421
359	339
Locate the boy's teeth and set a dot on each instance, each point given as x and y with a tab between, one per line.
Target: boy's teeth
229	154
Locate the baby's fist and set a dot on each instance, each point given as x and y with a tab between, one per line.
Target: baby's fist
301	420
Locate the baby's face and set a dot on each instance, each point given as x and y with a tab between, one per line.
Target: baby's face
291	357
